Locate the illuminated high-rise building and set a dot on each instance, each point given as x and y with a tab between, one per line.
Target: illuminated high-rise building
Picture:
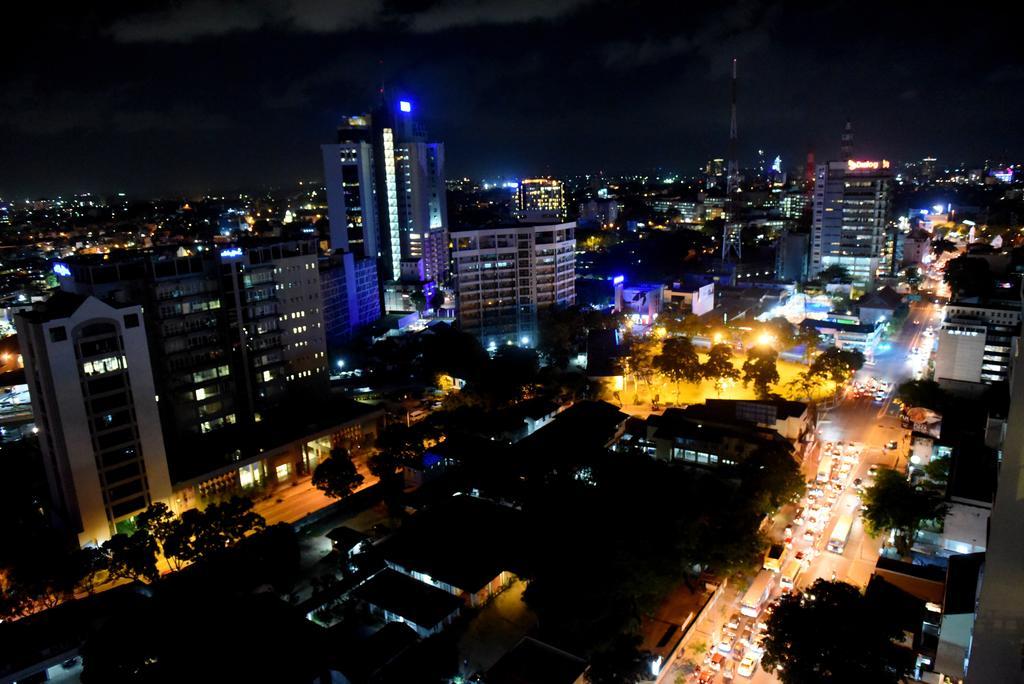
385	182
852	211
540	200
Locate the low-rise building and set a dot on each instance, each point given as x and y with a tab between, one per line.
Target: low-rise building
977	343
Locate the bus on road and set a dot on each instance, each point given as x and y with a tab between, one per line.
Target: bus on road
837	542
825	469
758	593
790	571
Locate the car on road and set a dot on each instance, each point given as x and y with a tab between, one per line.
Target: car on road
891	444
917	322
726	644
757	647
809	537
798	517
705	676
747	635
716	662
734	621
858	484
873	470
729	671
747	667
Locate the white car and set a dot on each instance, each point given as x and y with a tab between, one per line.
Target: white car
725	645
746	667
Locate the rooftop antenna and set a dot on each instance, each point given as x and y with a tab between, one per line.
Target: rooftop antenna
846	142
731	231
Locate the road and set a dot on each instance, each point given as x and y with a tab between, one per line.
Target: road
870	424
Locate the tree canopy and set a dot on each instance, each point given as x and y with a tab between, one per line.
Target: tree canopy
337	475
718	367
761	369
926	393
838	365
893	503
968	276
832	633
678	361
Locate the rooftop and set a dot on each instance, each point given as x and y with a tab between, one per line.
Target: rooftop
534	662
962	577
414	601
462	541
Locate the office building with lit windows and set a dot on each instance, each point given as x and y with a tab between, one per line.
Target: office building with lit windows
386	193
95	404
852	212
540	200
505	275
976	344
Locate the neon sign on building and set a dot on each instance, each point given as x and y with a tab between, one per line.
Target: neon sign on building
861	165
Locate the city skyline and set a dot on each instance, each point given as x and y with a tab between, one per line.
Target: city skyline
208	96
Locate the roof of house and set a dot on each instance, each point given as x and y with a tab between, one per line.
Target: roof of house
962	577
883	298
585	424
973	473
463	541
534	662
364	659
61	305
731	408
415	601
346	537
678	422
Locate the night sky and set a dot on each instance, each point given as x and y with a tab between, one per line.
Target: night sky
191	96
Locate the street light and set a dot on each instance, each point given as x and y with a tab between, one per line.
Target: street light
341	364
765	339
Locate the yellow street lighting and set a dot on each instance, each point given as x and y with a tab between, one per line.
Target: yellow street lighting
716	338
765	339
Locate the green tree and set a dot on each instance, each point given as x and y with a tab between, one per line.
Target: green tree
837	364
926	393
160	523
859	643
639	359
804	385
808	338
132	557
892	503
337	475
199	534
719	368
678	361
835	274
397	445
620	663
688	325
761	369
771	477
968	276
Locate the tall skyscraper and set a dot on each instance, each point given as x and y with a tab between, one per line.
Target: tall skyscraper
504	276
540	200
386	182
852	211
95	404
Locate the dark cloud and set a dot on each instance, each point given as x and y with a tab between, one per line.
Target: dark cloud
183	94
198	19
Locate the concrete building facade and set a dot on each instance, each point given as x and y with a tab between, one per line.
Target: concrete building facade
504	276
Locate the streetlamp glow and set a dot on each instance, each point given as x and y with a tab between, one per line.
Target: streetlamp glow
341	364
765	339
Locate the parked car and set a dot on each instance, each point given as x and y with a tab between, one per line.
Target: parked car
747	667
734	621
